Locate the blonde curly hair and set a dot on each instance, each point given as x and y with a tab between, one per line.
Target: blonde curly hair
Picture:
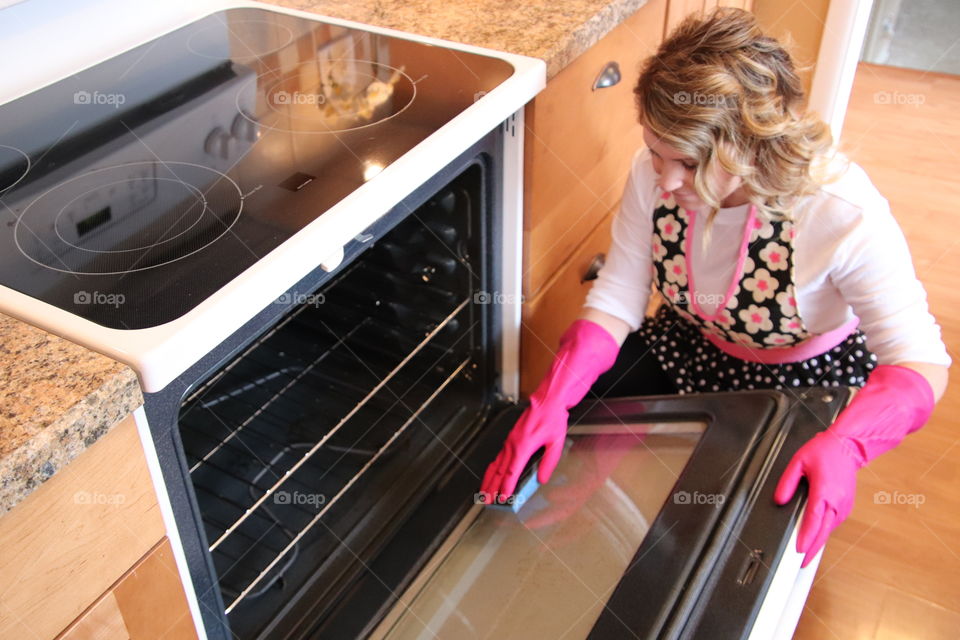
720	91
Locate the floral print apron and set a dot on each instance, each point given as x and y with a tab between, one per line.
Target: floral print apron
758	311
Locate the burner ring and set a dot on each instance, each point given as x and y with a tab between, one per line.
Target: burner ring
26	169
232	35
21	227
197	192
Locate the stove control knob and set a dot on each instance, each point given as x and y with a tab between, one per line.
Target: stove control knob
217	143
244	128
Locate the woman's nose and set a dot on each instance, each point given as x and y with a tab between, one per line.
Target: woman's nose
671	177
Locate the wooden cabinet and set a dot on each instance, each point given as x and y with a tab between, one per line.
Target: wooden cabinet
147	602
578	145
74	537
680	9
548	315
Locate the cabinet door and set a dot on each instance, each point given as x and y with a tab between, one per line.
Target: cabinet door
148	602
680	9
76	534
578	145
547	316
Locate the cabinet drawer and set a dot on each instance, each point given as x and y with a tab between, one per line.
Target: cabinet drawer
75	535
548	315
579	143
130	608
680	9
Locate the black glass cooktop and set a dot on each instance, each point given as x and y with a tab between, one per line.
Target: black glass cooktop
133	190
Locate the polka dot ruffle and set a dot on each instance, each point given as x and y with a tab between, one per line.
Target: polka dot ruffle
694	364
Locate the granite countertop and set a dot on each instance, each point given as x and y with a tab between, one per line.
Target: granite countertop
555	32
59	398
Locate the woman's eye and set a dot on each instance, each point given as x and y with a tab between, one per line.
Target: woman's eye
688	166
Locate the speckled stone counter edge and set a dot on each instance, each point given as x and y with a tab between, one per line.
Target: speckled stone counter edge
567	41
53	447
589	34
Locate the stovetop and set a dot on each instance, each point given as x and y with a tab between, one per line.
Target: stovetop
134	190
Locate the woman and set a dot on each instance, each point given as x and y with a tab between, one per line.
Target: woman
779	263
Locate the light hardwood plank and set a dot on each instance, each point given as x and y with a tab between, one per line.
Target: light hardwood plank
891	570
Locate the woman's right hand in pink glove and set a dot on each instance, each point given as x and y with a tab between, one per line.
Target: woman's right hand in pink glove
586	351
538	426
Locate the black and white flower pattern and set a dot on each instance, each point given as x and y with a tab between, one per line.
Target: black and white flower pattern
761	312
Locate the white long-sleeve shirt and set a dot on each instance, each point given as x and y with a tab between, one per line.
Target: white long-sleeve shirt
850	259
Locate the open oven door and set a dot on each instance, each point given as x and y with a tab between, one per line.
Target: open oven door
658	522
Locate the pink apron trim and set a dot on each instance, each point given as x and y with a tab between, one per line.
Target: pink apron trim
738	273
809	348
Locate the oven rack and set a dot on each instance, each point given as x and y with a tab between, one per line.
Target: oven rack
329	504
236	500
240	415
305	340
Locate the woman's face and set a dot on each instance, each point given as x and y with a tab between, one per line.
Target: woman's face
676	173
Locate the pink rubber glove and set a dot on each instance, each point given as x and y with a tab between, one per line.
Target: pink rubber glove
896	401
586	351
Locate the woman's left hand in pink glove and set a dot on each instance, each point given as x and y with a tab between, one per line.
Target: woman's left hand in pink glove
896	401
831	474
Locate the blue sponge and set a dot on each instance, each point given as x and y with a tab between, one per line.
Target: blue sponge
527	485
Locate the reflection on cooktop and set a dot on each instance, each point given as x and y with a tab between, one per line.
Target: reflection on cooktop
126	218
333	96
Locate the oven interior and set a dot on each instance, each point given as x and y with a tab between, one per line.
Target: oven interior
305	448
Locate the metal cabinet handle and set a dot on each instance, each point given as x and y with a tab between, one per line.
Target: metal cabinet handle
609	76
594	268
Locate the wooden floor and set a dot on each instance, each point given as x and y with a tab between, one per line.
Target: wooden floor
892	571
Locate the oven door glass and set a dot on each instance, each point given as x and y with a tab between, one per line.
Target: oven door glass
552	565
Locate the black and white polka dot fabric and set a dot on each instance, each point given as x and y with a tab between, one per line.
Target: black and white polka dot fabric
693	364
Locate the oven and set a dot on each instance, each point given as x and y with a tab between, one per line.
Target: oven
304	236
